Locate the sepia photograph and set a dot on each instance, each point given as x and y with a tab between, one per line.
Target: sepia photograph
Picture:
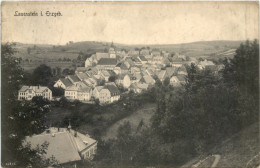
113	84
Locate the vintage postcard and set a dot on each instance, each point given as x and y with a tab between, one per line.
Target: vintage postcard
130	84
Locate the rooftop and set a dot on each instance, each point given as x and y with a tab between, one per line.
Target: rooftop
107	61
63	145
37	89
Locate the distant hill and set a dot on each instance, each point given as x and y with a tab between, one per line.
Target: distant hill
71	50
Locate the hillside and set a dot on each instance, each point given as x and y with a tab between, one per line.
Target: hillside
71	50
236	151
54	55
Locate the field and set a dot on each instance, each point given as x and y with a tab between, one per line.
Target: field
145	113
237	150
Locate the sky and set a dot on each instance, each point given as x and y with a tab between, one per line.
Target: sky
130	22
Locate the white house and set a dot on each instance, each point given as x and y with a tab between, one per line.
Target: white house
109	94
28	92
78	92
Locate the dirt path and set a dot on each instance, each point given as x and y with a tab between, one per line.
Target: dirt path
145	114
217	158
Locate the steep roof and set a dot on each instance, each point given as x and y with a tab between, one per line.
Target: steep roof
142	58
139	86
63	145
122	76
37	89
105	73
112	88
98	88
73	78
66	82
100	55
170	71
182	78
81	69
84	89
122	66
161	74
82	76
147	79
107	61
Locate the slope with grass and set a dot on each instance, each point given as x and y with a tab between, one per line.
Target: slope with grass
145	113
237	150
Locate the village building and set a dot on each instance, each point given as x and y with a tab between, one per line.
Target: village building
137	62
107	64
90	61
134	70
174	81
74	79
78	91
176	63
96	91
82	76
81	69
28	92
162	75
133	53
157	59
123	80
170	71
109	94
182	70
138	87
67	146
122	68
100	55
203	64
147	79
144	52
156	52
63	83
143	60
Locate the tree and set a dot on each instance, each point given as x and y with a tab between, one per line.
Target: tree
243	70
67	71
19	119
42	75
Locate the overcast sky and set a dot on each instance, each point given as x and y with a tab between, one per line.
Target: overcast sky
130	23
